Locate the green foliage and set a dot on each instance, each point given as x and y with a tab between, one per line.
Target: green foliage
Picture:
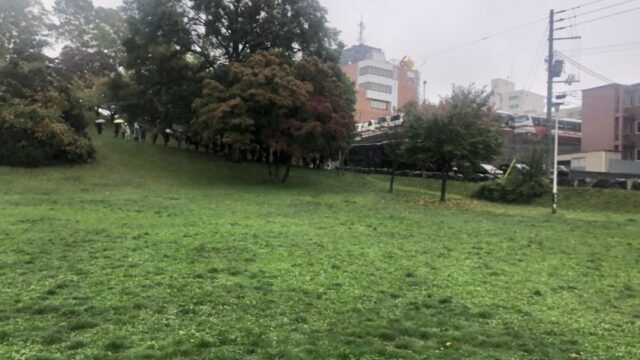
238	29
22	24
195	258
522	186
161	74
41	122
223	114
458	132
92	33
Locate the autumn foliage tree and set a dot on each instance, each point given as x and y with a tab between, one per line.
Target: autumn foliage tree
287	109
326	124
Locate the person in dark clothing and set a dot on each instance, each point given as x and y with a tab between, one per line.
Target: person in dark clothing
99	127
143	133
166	137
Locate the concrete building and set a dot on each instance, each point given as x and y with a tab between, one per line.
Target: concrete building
611	120
595	161
505	97
382	86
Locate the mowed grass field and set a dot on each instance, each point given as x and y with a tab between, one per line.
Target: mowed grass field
158	253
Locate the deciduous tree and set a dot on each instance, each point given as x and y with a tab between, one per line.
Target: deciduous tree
458	133
233	30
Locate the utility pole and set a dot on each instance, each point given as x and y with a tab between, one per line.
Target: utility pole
554	70
550	68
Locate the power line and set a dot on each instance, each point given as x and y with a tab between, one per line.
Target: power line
629	48
478	40
530	79
599	47
596	10
580	6
585	69
600	18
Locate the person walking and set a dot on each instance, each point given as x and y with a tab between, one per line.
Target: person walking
136	131
143	133
99	125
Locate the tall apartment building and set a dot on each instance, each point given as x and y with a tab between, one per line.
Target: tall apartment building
611	120
382	86
505	97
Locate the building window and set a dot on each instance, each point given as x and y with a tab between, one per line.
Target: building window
514	107
579	163
514	97
616	129
637	100
381	105
617	101
373	70
638	154
376	87
638	127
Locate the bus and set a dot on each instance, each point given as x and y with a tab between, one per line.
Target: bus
532	124
504	119
377	126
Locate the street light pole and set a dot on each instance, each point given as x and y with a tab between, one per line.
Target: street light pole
550	76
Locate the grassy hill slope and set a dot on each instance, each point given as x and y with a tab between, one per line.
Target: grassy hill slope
157	253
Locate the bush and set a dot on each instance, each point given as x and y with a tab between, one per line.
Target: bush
41	122
26	144
522	186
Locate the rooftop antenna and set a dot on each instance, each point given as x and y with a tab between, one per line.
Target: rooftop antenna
361	36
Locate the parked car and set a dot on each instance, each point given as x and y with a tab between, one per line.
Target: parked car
563	172
489	169
505	167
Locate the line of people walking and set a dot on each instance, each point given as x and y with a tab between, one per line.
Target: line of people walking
139	132
122	128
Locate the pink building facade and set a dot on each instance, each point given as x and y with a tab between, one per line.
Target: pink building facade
611	120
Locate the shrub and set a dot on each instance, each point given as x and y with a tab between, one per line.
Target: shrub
521	186
40	120
26	144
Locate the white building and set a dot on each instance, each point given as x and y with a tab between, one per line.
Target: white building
382	86
505	97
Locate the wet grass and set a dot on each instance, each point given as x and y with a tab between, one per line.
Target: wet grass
154	253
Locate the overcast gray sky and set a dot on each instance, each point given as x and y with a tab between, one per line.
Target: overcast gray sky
419	28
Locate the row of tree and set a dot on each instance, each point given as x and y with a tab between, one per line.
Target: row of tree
249	73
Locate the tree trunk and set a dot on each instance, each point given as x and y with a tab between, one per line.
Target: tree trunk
270	162
443	186
286	172
393	177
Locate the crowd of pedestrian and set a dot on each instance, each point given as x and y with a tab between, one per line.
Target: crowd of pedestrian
121	128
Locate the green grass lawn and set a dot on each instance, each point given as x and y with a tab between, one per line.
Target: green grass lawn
157	253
